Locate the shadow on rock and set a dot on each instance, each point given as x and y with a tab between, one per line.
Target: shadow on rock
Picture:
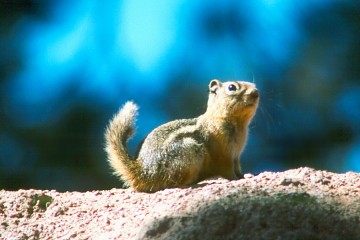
280	216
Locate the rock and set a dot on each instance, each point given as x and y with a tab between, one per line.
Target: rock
296	204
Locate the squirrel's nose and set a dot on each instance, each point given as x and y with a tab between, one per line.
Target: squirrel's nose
252	92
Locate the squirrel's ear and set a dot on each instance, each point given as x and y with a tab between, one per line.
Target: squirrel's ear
214	85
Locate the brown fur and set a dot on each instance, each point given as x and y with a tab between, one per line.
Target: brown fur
183	152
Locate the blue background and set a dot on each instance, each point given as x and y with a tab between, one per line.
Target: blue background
67	66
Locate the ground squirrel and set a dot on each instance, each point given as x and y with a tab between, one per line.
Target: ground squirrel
183	152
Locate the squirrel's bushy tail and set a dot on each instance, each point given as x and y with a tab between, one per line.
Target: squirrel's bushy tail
119	130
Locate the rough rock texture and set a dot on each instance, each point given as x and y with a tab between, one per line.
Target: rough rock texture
296	204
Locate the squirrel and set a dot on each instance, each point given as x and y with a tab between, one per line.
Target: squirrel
183	152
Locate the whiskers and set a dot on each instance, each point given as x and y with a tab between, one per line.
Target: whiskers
253	77
269	113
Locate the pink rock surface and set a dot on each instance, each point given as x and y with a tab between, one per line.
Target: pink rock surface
296	204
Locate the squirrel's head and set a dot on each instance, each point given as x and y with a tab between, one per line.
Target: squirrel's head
233	99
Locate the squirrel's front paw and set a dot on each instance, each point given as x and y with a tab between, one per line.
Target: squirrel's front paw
240	176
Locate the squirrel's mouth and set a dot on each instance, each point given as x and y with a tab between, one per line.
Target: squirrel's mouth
252	98
253	94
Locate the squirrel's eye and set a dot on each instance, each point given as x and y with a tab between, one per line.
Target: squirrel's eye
232	87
